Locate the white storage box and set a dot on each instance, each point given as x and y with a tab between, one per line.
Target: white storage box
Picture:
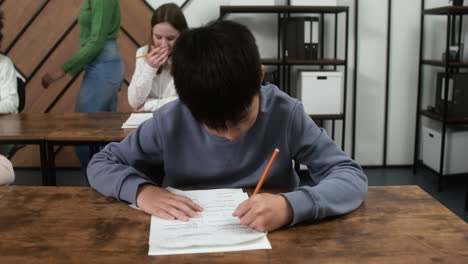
456	148
313	2
321	92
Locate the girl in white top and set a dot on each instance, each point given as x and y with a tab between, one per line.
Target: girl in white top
152	84
8	92
7	175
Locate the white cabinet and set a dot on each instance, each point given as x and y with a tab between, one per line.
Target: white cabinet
456	148
321	92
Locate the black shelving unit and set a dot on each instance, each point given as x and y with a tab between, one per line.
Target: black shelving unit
284	65
454	15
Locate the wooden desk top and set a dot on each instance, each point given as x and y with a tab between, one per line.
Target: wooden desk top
25	126
400	224
87	127
90	127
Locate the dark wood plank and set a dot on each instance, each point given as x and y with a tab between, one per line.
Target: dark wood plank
123	100
89	127
446	10
27	157
38	99
66	127
433	115
399	224
14	20
281	9
43	33
25	126
327	117
440	63
331	62
127	50
136	19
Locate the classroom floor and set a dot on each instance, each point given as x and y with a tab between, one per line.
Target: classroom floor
452	196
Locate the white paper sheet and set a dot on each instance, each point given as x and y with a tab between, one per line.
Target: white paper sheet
136	119
215	231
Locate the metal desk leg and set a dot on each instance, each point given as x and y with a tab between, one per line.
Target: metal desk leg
44	164
93	149
466	196
51	164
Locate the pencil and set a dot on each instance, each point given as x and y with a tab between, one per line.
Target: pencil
265	172
142	56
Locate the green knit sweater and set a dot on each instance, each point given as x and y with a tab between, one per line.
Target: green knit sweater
99	21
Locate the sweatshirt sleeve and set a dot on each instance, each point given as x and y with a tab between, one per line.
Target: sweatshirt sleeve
100	26
116	171
142	81
340	183
9	99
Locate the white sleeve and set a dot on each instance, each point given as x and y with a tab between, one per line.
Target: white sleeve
152	104
142	81
7	175
8	92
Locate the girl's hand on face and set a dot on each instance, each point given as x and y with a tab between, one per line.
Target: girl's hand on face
157	57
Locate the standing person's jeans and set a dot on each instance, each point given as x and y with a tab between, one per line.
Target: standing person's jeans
99	90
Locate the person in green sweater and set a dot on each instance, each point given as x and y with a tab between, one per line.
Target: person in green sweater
100	59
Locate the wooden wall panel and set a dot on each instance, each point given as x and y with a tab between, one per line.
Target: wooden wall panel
136	19
40	37
123	101
51	23
27	157
15	21
128	50
38	98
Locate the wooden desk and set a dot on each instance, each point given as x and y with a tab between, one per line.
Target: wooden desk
28	129
49	130
91	129
85	128
401	224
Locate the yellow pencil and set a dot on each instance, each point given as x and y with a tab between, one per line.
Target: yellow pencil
265	172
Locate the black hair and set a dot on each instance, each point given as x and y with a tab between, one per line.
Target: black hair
217	72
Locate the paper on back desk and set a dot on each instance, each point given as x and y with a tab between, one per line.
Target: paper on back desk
136	119
217	230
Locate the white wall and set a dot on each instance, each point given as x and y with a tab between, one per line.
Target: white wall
403	80
371	63
372	41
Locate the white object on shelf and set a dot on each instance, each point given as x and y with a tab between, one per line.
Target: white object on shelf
321	92
456	144
313	2
256	2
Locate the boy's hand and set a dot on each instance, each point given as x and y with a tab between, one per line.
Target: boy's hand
264	212
166	205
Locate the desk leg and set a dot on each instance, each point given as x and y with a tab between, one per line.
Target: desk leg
466	196
51	164
44	164
93	149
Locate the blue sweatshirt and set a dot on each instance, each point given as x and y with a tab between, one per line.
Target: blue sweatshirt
173	143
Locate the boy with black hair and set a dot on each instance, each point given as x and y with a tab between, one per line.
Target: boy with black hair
221	133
